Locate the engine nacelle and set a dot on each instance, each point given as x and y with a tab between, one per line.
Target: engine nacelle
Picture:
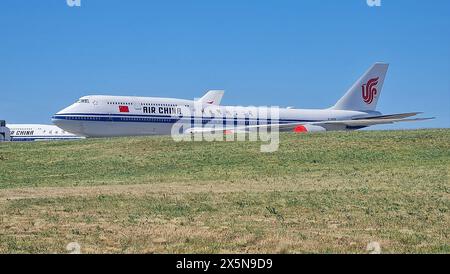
308	128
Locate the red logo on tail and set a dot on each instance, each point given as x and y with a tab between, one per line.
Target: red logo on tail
369	90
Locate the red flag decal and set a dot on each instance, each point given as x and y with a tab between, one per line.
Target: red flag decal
123	109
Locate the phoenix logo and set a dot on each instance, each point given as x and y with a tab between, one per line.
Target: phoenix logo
369	90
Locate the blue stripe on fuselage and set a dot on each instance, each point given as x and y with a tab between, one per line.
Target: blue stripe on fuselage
96	117
35	138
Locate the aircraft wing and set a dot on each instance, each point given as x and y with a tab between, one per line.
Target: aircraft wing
241	128
307	127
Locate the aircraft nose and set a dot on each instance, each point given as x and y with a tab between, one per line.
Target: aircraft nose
57	115
64	120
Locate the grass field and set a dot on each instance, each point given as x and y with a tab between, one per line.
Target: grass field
331	193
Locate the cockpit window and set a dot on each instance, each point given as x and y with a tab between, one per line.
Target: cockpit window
83	101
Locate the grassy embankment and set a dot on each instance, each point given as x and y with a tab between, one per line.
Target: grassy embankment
332	192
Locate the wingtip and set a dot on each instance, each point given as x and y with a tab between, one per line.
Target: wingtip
382	63
424	119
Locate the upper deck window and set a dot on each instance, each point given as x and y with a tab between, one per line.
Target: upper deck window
83	101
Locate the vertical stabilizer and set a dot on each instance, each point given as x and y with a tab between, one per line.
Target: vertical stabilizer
364	94
212	97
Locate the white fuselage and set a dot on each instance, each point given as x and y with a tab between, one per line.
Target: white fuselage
106	116
37	132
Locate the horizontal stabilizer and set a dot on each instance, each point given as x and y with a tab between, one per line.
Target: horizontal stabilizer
391	116
369	122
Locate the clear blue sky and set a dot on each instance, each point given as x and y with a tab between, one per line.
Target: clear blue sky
287	53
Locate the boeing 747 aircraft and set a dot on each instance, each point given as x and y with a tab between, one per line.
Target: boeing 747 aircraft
35	132
103	116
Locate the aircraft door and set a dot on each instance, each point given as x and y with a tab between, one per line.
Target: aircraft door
137	106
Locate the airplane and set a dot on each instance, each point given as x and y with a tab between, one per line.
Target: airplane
36	132
107	116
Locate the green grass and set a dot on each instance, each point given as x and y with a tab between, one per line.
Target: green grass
331	193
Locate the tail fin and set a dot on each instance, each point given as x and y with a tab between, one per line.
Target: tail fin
364	94
212	97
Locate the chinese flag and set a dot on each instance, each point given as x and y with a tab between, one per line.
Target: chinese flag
123	109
